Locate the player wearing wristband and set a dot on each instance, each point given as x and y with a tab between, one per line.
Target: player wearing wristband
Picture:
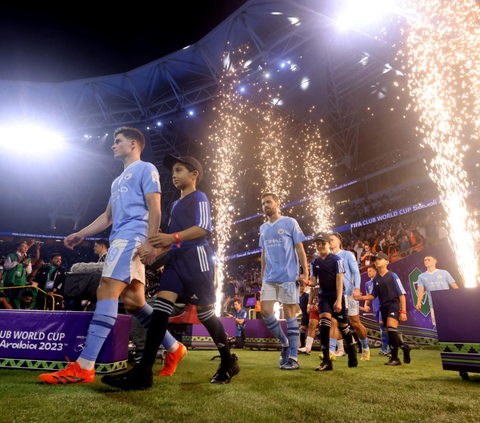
389	290
188	272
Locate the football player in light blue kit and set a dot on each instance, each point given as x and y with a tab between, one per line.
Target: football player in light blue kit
282	249
433	280
134	211
351	282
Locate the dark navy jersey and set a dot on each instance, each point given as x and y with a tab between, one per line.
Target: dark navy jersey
191	210
387	288
326	270
304	303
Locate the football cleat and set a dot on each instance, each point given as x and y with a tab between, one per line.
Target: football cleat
284	356
406	354
365	355
333	356
73	373
172	360
393	362
325	367
291	364
352	356
226	372
137	378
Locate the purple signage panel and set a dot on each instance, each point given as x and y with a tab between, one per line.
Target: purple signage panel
44	339
458	325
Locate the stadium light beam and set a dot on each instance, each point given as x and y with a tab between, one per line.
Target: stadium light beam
30	139
361	12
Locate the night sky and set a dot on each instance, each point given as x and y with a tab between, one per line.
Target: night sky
46	43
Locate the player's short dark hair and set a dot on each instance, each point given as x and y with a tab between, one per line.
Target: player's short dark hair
372	266
266	194
103	242
27	293
55	255
237	301
22	242
338	236
430	255
131	134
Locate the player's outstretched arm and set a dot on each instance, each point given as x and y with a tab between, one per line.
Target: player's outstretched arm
165	240
102	222
146	251
367	297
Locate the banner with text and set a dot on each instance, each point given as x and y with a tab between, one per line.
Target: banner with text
50	336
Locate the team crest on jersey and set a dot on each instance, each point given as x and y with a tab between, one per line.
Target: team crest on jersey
413	279
439	276
128	176
281	231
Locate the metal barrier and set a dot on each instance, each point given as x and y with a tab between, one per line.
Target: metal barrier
47	294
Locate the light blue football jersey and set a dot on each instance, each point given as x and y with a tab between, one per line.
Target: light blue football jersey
278	241
351	277
436	281
128	203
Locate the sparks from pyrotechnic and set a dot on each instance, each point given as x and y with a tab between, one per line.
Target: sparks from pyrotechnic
225	140
444	56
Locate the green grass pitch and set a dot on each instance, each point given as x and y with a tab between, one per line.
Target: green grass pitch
372	392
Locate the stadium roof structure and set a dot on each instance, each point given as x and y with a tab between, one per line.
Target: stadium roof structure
337	69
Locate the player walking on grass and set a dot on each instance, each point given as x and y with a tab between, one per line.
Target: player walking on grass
281	243
134	211
389	290
189	272
375	305
327	271
351	284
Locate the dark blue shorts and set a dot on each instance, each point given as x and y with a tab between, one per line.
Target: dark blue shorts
325	305
305	319
391	310
189	272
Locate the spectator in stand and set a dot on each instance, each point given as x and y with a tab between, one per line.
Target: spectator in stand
17	267
26	301
367	254
51	279
358	248
377	248
417	240
403	241
431	231
100	248
4	304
